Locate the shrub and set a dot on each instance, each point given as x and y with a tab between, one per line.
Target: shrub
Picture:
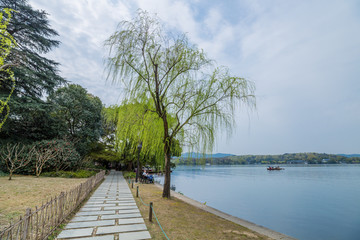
2	174
129	175
66	157
69	174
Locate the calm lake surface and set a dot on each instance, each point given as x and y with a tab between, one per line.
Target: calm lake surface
305	202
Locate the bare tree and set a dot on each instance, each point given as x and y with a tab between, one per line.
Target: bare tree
16	156
43	155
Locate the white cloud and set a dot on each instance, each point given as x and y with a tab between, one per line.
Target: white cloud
302	55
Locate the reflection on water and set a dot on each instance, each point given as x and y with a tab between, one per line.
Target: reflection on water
306	202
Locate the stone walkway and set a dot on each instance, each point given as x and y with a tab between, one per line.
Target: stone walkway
110	213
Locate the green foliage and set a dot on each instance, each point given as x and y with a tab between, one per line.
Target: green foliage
7	42
190	97
89	164
2	174
35	123
66	158
129	175
81	112
135	123
101	154
69	174
287	158
30	28
35	75
175	75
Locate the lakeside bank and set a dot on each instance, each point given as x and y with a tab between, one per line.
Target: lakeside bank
181	220
252	226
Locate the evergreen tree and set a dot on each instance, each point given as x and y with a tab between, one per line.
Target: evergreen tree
81	112
35	75
6	44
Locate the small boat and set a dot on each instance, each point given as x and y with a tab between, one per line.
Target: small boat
275	168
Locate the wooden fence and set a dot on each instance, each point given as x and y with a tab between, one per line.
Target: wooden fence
40	222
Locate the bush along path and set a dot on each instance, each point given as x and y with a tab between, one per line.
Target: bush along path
110	213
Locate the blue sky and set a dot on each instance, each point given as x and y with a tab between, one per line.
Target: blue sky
303	56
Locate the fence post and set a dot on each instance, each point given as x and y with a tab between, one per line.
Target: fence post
137	191
37	222
79	194
150	211
61	208
132	184
26	224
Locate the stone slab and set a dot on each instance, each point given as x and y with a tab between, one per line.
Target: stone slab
119	229
119	216
92	213
129	211
82	232
120	207
86	209
105	237
135	235
127	204
120	202
101	205
90	224
130	221
84	218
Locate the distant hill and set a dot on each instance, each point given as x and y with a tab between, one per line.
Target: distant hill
287	158
349	155
199	155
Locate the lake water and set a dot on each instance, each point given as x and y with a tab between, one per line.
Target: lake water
305	202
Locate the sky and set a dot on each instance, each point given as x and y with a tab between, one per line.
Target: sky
303	57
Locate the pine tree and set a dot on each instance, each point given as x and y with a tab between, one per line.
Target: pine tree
35	74
31	30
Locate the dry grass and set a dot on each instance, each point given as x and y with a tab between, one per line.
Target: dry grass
183	221
27	192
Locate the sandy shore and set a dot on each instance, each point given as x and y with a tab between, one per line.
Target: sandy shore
252	226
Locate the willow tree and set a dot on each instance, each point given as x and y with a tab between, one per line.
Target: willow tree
180	80
134	123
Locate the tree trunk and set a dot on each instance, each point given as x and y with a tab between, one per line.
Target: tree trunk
10	174
37	172
167	153
166	190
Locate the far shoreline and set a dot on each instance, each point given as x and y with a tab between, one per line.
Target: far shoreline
252	226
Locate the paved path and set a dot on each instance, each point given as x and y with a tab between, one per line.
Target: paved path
110	213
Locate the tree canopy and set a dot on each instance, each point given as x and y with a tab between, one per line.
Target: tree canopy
35	75
179	79
69	116
135	124
81	112
7	42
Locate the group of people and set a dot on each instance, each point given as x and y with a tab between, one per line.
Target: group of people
148	177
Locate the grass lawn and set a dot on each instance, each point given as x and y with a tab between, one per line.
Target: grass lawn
183	221
24	192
